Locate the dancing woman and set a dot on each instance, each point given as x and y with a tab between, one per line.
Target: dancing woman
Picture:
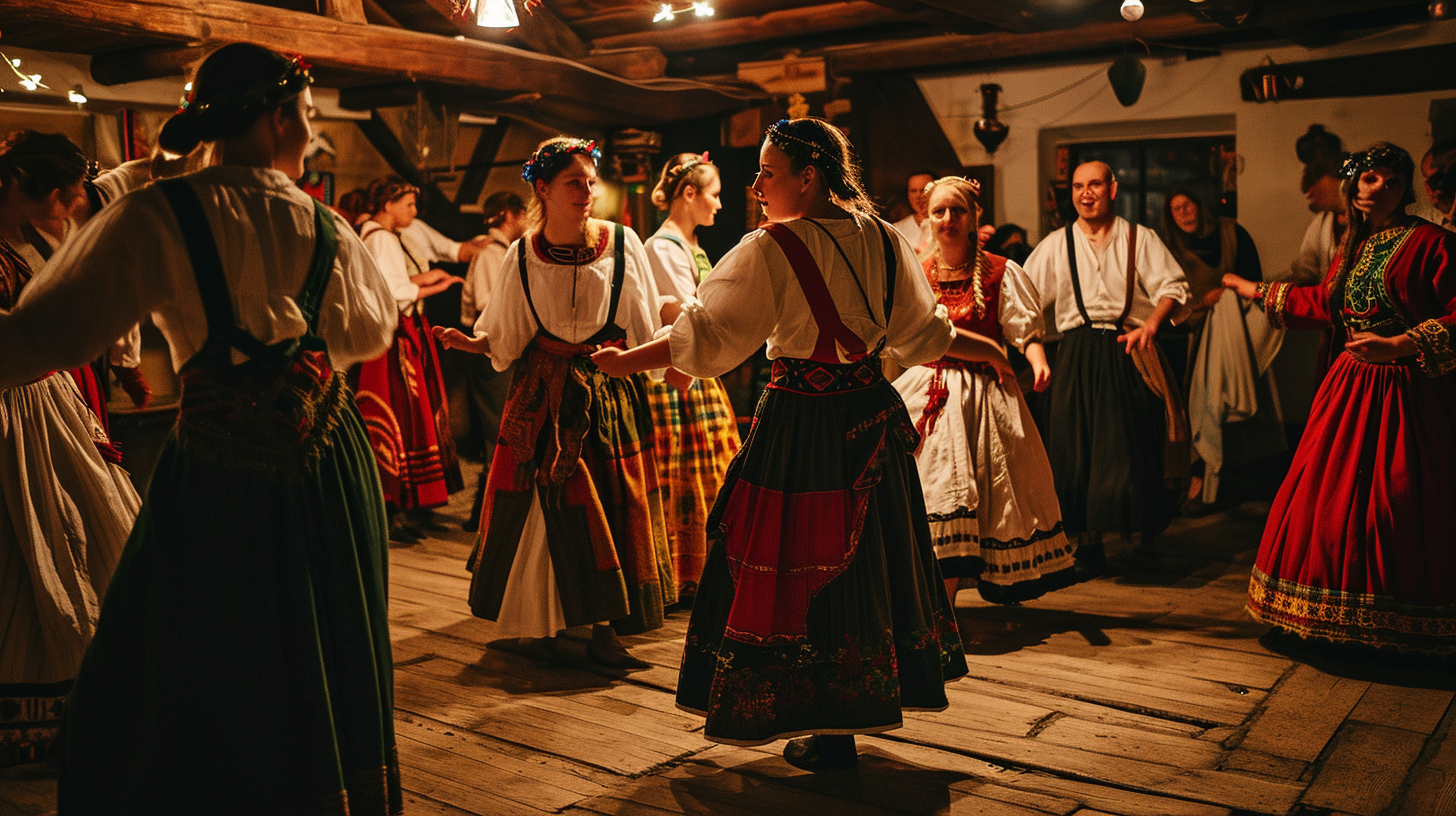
1356	548
821	610
248	610
696	430
572	531
988	487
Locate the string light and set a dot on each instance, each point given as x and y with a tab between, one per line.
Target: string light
667	11
76	96
30	82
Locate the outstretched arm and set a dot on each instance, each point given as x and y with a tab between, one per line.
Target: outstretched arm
619	363
978	348
456	339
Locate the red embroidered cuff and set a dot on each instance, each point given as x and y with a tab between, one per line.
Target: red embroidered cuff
1434	352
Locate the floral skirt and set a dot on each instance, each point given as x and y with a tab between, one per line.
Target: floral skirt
695	437
988	487
1358	543
821	609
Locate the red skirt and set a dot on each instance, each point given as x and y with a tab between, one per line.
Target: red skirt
401	397
1358	543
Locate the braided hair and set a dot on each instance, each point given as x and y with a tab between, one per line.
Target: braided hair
812	142
680	171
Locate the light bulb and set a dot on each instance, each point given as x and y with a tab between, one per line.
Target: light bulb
496	14
664	14
1132	10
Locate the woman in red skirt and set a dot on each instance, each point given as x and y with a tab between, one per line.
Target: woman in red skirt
401	394
1357	547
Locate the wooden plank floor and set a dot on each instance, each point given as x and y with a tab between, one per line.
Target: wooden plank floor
1146	693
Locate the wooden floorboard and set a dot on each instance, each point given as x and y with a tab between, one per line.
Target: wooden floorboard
1149	692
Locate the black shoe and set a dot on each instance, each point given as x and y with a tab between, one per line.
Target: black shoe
401	534
1090	561
606	649
822	752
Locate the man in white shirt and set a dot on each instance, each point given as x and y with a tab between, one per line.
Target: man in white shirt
916	226
486	389
1107	431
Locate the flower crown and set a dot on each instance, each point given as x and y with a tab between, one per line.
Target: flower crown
1384	156
549	156
261	95
974	184
779	137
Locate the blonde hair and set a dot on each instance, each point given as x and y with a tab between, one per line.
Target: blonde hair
968	189
680	171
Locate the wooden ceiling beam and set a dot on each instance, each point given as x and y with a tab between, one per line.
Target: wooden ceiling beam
618	17
345	11
995	13
927	52
137	64
386	53
696	35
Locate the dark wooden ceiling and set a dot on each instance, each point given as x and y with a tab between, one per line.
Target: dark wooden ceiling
605	62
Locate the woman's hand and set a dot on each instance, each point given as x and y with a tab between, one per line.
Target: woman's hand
609	360
428	277
1041	377
678	379
456	339
1368	347
1141	337
1211	298
1245	288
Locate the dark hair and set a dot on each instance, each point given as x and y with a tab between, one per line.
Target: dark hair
550	159
40	162
1172	233
1443	181
387	190
234	86
680	171
353	204
500	204
1322	152
1382	155
1003	234
811	142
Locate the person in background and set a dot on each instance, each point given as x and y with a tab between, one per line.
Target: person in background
988	488
401	394
913	226
1228	384
1357	546
572	531
1440	182
66	510
821	610
1322	154
486	388
1118	430
1010	242
249	604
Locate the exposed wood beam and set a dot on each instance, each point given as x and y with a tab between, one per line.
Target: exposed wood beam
700	34
1411	70
386	52
377	15
997	13
613	18
926	52
644	62
542	31
482	159
136	64
345	11
445	215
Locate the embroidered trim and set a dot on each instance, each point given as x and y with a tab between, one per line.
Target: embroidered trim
1434	351
1275	297
1350	617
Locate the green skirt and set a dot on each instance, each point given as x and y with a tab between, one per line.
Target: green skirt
242	659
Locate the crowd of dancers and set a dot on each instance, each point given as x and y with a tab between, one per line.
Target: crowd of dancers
820	554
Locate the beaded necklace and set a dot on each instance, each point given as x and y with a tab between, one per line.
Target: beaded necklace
959	299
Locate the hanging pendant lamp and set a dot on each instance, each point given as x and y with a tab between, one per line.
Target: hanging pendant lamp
496	14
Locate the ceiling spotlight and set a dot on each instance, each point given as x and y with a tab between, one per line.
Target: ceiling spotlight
496	14
703	9
1132	10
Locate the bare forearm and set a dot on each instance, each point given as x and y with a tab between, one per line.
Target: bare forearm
1160	313
655	354
1035	354
977	348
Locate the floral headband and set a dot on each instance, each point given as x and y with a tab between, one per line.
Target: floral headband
779	137
551	155
261	96
973	184
1384	156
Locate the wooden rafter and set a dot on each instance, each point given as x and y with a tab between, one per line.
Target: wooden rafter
389	53
997	13
797	22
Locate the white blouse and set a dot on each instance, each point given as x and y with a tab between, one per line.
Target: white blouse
572	301
1019	311
396	262
1104	276
673	267
429	244
752	296
131	260
481	277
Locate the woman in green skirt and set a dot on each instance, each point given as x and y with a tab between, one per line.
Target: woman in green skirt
241	663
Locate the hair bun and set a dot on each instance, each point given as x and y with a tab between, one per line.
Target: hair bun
181	134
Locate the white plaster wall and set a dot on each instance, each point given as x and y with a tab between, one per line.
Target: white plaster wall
1270	204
